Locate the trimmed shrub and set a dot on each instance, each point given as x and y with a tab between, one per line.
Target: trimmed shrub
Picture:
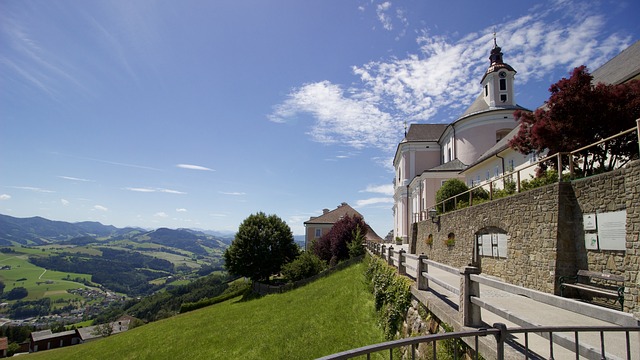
306	265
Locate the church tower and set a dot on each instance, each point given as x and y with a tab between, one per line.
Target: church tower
497	82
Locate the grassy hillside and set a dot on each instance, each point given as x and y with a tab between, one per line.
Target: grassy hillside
330	315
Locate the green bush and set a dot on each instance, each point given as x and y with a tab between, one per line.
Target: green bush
306	265
391	293
548	177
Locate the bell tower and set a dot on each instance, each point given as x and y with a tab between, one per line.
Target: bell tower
497	82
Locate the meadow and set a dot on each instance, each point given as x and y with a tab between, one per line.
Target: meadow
37	280
330	315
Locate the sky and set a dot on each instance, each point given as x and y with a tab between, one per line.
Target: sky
197	114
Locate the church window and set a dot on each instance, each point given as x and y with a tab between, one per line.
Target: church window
500	134
503	84
318	233
503	97
486	90
497	171
488	174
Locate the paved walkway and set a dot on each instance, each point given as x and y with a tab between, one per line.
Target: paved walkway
525	312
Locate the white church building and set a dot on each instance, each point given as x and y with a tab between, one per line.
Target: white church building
433	153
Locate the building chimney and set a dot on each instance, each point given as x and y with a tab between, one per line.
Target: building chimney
324	211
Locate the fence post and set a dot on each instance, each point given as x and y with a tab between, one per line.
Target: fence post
501	337
402	269
423	282
638	130
559	166
469	313
382	250
390	256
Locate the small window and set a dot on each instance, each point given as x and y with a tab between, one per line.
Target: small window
503	84
511	165
503	97
486	90
497	171
318	233
488	175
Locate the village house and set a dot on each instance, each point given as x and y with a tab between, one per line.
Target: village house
318	226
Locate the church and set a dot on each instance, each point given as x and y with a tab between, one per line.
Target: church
430	154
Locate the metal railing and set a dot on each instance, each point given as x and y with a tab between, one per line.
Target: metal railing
558	158
502	336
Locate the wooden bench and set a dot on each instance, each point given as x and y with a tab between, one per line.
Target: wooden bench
582	282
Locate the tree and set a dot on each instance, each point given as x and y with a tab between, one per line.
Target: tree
578	114
338	243
261	246
451	187
17	293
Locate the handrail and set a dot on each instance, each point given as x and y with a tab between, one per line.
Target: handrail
501	334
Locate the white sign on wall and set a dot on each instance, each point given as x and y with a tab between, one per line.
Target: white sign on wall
591	241
589	221
612	232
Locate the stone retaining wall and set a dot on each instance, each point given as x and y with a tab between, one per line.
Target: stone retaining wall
545	236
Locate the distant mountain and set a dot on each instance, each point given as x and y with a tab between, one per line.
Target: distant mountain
39	231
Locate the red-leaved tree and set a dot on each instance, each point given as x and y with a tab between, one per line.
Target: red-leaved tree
579	113
333	246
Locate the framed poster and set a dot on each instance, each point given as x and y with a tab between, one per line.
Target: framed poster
612	231
486	245
591	241
502	245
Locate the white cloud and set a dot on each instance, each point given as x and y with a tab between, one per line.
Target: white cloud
161	215
374	201
440	81
64	202
74	178
100	208
5	197
232	193
181	210
385	19
31	188
386	189
146	190
194	167
153	190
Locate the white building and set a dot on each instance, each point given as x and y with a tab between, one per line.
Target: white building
433	153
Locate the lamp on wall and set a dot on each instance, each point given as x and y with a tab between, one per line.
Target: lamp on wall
433	215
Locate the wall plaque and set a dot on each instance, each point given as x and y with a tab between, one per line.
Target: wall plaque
612	232
589	221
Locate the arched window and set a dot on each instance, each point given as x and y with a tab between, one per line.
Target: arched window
500	134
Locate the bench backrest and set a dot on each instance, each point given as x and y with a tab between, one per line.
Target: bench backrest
604	276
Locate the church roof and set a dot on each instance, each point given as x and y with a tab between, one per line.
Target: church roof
622	68
480	106
453	165
425	132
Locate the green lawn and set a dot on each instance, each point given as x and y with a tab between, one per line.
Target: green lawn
333	314
36	280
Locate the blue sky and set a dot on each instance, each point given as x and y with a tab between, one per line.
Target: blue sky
197	114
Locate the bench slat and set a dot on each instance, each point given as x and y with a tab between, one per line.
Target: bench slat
604	276
594	289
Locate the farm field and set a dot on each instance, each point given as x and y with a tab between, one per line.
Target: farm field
38	281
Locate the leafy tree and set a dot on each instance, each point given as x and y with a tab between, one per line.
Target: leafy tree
334	246
17	293
306	265
451	187
261	246
578	114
